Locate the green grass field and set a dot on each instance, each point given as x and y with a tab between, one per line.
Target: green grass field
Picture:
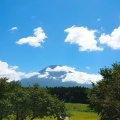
78	112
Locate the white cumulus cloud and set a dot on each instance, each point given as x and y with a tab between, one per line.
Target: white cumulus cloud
44	75
28	75
11	72
82	77
60	68
14	28
112	40
83	37
35	40
75	76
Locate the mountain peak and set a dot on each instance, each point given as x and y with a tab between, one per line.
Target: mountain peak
51	67
57	75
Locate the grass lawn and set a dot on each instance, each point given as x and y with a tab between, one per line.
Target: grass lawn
84	116
76	107
78	112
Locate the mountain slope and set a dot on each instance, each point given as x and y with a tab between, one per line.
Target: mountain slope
56	75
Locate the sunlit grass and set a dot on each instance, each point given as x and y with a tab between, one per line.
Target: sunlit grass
76	107
78	112
83	116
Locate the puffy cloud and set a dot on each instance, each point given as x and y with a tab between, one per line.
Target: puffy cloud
60	68
82	77
112	40
11	72
35	40
14	28
45	75
31	74
83	37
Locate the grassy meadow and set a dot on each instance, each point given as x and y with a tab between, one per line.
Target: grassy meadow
78	112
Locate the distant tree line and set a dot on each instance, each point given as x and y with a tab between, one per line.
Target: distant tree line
21	103
76	94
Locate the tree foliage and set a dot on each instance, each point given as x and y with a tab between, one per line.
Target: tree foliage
104	96
28	103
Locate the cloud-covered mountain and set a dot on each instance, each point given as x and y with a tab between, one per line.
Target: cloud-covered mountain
56	75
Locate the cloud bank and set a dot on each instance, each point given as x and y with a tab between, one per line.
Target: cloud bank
82	77
70	74
73	75
11	72
35	40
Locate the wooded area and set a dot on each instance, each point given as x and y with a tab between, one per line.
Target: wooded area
75	94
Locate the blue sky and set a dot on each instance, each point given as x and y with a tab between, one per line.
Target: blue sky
34	34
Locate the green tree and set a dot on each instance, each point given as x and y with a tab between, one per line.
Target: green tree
104	96
5	105
13	100
28	103
5	108
43	104
20	101
38	102
3	87
57	108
